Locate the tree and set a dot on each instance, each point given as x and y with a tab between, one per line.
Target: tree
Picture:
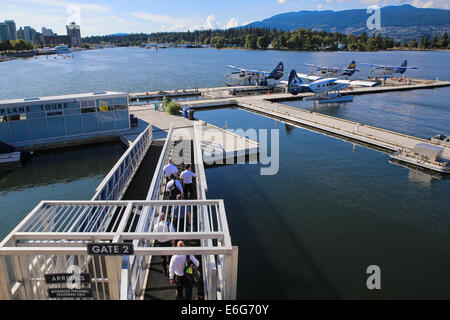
443	42
250	41
413	44
434	42
5	45
262	42
219	42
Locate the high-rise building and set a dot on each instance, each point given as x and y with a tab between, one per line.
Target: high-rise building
30	34
21	34
4	31
12	29
47	32
74	34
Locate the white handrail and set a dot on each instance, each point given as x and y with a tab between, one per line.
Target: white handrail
140	146
157	176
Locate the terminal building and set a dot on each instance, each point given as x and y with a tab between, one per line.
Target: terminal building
46	120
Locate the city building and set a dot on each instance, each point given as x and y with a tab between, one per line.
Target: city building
12	29
4	31
61	118
74	34
47	32
30	34
47	37
55	40
21	34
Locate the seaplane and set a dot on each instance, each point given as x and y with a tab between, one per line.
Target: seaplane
247	77
388	71
333	71
326	90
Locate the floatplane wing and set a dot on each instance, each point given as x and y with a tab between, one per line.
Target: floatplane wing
358	83
249	70
307	77
379	66
352	83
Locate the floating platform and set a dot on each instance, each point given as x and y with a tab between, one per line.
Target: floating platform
218	145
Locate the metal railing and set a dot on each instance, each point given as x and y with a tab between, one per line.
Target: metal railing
210	279
119	177
52	239
157	186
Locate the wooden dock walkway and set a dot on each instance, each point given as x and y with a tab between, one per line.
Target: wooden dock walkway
215	142
365	133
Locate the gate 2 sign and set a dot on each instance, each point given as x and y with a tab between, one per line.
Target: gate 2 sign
110	249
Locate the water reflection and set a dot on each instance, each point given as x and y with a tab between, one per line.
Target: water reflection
59	166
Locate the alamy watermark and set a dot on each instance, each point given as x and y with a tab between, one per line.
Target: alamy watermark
374	280
235	146
374	21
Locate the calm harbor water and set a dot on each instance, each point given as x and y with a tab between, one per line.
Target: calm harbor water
311	230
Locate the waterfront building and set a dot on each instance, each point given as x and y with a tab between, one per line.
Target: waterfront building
60	118
56	40
4	31
12	29
74	34
47	32
30	34
21	34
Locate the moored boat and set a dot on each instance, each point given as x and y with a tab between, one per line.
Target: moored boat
8	153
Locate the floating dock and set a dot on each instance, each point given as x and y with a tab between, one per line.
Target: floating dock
388	140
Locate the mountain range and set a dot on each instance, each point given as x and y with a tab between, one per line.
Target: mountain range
403	22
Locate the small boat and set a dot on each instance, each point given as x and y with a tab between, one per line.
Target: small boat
9	153
62	49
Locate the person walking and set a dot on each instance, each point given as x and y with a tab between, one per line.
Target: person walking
174	187
164	226
169	168
177	275
186	176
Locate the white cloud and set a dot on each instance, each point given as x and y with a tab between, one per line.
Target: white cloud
281	1
232	23
319	6
211	22
181	24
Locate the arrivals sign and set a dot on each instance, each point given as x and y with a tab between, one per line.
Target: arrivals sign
73	282
67	277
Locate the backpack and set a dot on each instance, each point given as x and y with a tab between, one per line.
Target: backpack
173	190
191	271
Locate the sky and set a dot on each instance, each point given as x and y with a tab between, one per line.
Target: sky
134	16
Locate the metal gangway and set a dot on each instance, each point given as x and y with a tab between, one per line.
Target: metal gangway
53	238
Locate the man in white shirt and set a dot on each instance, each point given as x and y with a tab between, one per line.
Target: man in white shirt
164	226
177	276
187	176
169	168
174	187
